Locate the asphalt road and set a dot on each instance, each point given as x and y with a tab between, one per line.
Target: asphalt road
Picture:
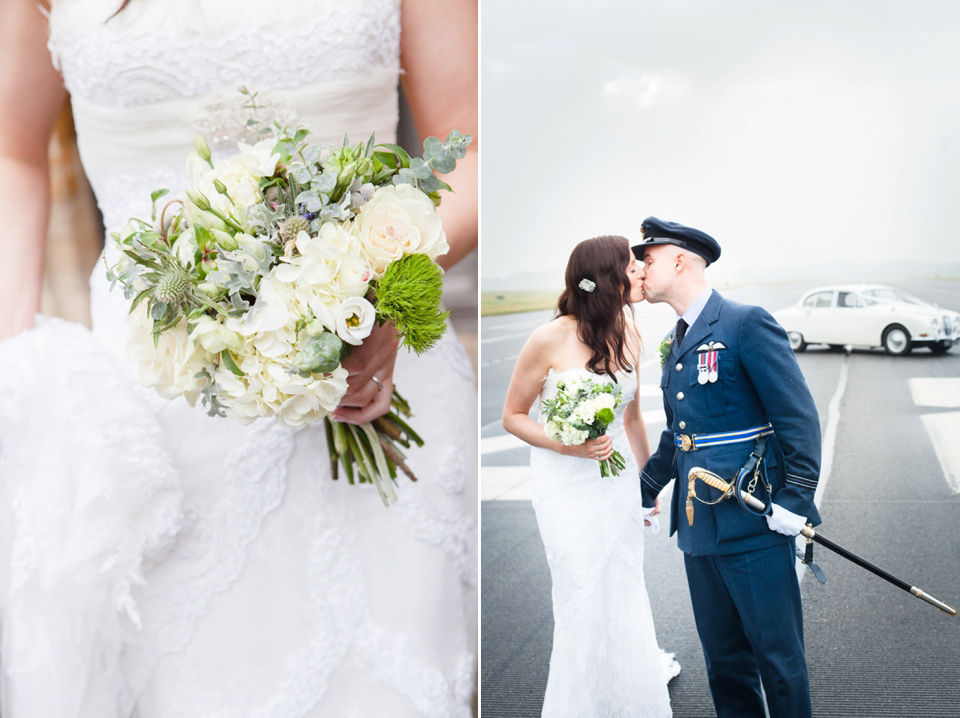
873	650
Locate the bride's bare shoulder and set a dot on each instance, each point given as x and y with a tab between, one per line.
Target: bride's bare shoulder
550	337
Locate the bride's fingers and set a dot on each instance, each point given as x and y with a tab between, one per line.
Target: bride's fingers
377	403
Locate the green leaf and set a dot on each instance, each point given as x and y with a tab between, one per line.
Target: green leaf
437	156
154	196
387	158
401	154
227	358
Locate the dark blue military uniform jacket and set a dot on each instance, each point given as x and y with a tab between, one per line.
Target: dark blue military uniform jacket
758	381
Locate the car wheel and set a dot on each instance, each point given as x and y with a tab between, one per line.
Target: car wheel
796	341
940	347
896	340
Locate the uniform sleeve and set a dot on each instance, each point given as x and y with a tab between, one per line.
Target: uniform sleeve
775	374
659	470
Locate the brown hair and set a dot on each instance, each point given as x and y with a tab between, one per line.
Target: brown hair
119	9
601	323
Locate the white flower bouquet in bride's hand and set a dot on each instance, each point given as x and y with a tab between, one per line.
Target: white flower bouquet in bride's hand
582	409
250	292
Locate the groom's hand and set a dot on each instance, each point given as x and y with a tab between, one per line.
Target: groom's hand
785	522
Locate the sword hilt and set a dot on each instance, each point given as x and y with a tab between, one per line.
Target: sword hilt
711	479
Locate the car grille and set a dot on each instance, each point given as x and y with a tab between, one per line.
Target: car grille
949	327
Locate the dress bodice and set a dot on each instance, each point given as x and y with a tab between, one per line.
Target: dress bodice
145	82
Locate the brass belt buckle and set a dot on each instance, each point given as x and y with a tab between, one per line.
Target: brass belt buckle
687	443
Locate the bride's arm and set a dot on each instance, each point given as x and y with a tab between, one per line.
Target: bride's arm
633	423
636	430
438	53
31	95
525	384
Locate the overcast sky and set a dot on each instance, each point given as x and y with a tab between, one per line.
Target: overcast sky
793	132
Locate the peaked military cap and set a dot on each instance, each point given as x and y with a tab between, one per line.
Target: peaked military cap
656	231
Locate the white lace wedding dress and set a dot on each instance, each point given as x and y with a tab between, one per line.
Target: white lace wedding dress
605	660
156	562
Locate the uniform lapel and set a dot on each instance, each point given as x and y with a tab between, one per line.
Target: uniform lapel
702	328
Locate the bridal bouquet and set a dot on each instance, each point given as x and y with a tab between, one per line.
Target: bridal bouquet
583	409
249	293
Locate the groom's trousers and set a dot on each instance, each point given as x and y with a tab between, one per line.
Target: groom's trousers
750	621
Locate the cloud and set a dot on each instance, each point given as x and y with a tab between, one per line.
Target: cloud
651	88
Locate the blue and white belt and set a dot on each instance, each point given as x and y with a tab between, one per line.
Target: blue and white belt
693	442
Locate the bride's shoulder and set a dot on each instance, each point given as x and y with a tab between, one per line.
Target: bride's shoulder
549	334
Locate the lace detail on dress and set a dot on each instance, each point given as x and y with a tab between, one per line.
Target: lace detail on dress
184	55
215	537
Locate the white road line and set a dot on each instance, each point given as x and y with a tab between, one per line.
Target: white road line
827	450
499	360
505	483
944	429
504	337
935	391
505	442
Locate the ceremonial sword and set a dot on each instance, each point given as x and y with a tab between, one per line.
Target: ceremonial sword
711	479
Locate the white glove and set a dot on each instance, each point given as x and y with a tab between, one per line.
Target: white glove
785	522
654	525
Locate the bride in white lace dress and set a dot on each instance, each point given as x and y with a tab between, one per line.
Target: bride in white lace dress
155	562
605	659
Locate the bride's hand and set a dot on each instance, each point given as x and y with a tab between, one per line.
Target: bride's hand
370	380
598	449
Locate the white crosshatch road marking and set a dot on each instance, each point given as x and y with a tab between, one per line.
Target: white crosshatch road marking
943	427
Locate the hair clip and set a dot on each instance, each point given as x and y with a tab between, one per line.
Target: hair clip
587	285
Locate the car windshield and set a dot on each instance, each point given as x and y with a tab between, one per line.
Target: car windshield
889	294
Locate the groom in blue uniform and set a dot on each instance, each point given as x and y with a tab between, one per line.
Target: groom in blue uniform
731	388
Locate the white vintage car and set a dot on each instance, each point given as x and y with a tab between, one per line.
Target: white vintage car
870	315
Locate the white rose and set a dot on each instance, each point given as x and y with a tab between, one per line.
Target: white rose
171	367
585	412
399	220
604	401
355	320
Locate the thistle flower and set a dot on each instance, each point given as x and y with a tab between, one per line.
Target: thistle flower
172	286
291	227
